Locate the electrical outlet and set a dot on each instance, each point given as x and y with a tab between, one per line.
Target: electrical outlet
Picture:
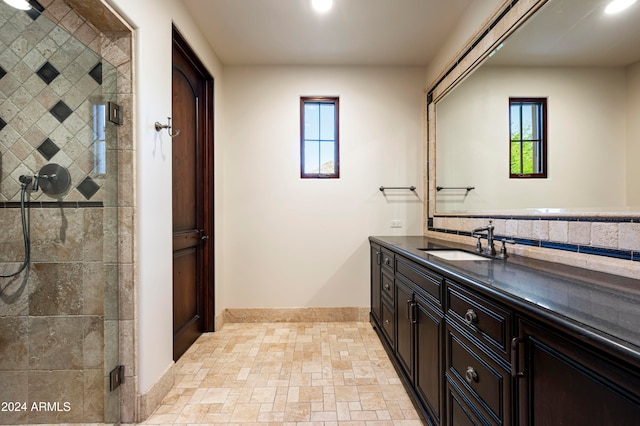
396	223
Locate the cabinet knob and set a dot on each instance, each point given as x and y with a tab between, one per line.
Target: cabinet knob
387	287
471	375
387	321
387	261
470	317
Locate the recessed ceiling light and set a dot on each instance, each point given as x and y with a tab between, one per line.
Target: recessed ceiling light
18	4
618	6
322	6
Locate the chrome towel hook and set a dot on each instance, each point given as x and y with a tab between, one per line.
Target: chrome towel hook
168	127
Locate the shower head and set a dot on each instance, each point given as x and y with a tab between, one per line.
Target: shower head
25	180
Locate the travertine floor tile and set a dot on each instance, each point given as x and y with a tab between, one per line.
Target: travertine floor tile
287	374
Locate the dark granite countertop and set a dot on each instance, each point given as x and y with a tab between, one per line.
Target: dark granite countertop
598	307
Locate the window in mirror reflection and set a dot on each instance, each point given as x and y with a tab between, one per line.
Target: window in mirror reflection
528	141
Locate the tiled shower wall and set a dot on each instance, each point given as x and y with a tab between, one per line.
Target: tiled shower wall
62	320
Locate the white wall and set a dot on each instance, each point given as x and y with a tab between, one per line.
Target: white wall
292	242
633	135
280	241
152	20
586	140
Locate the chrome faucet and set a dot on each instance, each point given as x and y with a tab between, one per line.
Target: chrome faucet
490	250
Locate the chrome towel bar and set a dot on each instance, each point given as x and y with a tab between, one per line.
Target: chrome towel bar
468	188
410	188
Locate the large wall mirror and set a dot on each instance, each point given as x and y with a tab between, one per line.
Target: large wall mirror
586	64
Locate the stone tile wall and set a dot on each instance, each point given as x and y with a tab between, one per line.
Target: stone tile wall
61	322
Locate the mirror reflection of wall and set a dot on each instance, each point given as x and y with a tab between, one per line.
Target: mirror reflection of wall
592	121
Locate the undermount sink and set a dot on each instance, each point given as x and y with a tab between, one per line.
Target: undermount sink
454	254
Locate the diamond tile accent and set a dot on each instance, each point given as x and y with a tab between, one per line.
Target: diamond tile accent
35	11
61	111
48	149
96	73
2	123
2	73
88	188
48	73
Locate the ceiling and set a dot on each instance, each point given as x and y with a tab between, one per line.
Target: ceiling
354	32
574	33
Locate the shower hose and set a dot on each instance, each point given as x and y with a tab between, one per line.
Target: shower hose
25	180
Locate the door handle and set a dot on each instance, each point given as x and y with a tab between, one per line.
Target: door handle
203	237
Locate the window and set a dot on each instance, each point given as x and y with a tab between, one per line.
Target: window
528	141
319	146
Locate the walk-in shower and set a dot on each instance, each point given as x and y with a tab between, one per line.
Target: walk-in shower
59	224
56	181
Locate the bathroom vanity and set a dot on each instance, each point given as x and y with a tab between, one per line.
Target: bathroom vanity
506	341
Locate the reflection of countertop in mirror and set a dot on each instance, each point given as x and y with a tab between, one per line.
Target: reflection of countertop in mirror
599	307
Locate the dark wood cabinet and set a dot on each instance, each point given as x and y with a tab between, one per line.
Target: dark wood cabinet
419	340
564	382
428	356
469	356
404	328
376	281
479	376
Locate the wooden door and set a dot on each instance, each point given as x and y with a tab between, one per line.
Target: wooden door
404	327
563	383
428	357
192	157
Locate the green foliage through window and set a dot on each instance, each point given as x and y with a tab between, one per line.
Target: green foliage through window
528	137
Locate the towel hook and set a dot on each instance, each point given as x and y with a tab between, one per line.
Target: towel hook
168	127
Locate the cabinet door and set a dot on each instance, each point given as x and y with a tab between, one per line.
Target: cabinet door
428	356
376	278
565	383
404	327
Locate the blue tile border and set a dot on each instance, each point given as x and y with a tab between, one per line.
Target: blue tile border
576	248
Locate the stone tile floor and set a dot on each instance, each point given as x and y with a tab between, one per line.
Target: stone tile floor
287	374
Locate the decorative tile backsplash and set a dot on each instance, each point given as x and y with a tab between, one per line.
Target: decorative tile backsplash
54	92
614	237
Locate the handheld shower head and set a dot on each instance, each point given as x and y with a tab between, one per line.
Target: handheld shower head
25	180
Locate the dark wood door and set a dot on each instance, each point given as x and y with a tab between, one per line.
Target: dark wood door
563	383
376	278
404	324
428	357
192	157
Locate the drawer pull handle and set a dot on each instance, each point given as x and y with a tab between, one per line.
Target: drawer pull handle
471	375
515	342
471	317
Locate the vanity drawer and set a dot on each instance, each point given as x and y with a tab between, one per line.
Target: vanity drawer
388	259
388	324
479	376
485	320
387	287
427	280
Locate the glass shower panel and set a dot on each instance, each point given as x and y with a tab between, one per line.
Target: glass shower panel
58	317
